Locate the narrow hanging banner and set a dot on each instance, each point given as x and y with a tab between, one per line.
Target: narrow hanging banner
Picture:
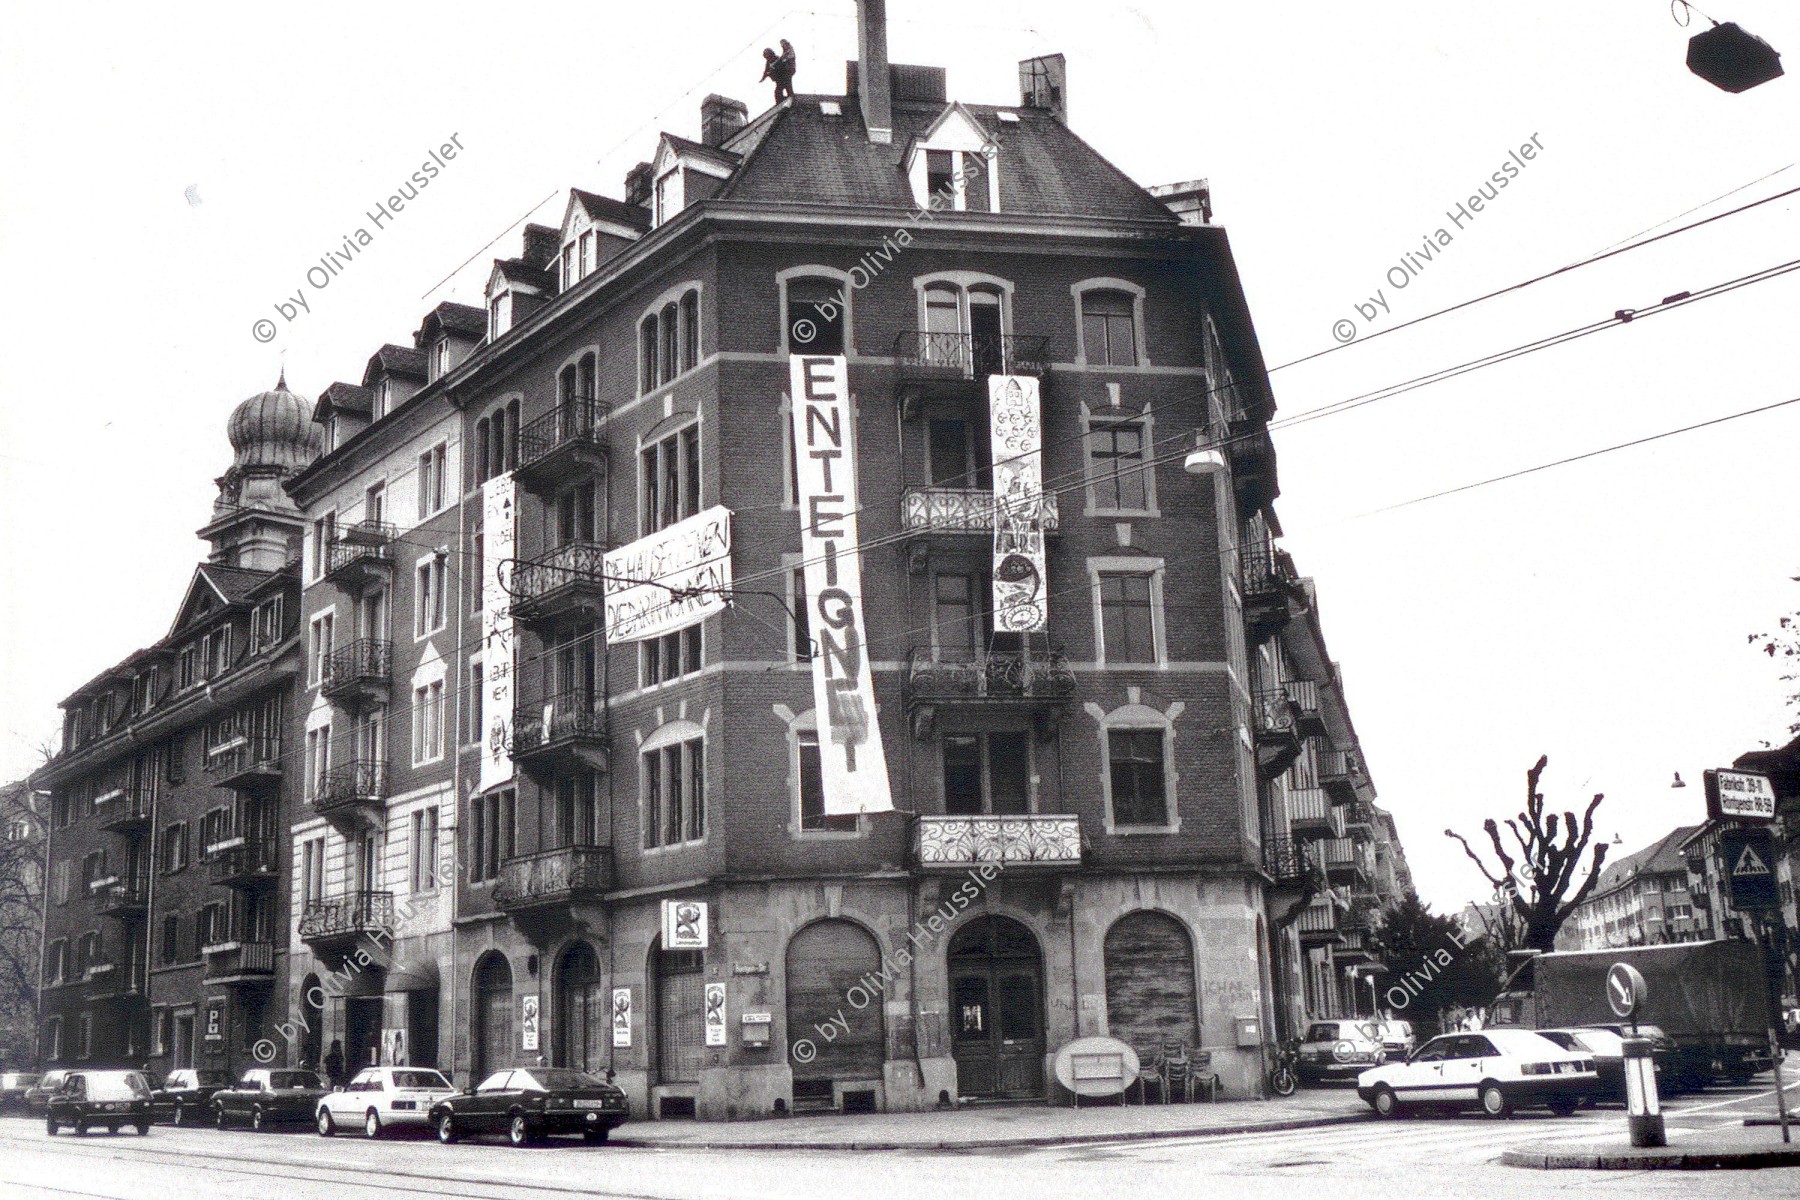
1016	431
498	541
852	761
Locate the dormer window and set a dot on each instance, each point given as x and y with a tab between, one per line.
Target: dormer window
952	165
499	315
668	194
384	399
440	358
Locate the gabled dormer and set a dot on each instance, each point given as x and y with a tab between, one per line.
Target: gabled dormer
956	159
684	173
448	334
343	411
595	228
394	373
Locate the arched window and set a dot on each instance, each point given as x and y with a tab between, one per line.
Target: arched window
512	435
963	324
584	379
1151	998
690	331
668	356
647	344
497	447
483	432
817	315
1109	333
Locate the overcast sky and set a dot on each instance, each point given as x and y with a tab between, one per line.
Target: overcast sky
171	172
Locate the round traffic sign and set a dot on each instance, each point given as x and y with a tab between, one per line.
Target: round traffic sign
1626	990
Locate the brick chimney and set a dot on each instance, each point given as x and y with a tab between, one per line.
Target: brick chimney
1191	200
637	185
1044	83
874	87
720	117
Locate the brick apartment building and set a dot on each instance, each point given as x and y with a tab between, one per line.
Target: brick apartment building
1644	899
1150	820
166	840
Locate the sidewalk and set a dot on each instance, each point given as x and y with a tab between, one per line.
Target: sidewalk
989	1127
1689	1150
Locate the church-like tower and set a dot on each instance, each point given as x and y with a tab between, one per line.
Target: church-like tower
254	524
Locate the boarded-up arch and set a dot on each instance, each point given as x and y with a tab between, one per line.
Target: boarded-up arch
830	965
1150	987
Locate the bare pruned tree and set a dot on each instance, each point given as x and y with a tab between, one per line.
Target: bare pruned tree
21	919
1536	879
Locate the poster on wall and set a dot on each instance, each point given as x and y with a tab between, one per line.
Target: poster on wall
215	1021
528	1022
393	1047
715	1014
852	761
1016	430
621	1017
499	537
684	924
691	564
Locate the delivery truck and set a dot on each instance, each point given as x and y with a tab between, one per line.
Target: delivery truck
1709	999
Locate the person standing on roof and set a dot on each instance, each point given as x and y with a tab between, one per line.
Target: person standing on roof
780	68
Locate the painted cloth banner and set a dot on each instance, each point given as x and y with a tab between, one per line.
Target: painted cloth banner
499	537
691	564
1016	431
851	758
621	1017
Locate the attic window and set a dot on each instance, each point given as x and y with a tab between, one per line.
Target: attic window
831	108
1010	118
668	194
440	358
499	314
958	180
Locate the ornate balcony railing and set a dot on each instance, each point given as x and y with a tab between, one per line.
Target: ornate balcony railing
567	438
553	877
550	722
245	761
1270	584
969	355
997	677
1303	694
361	550
1274	714
1285	861
348	916
1008	841
960	510
568	576
365	665
363	781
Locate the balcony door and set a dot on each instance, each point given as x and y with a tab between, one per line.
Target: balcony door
987	773
368	862
371	736
964	328
997	1009
372	615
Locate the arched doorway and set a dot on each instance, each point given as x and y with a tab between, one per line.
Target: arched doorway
997	1009
680	1014
825	962
1150	991
491	1012
581	1013
312	1022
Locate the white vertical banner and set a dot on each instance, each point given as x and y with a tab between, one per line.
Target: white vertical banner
499	538
852	761
1016	430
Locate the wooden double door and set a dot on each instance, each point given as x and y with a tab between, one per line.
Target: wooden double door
997	1010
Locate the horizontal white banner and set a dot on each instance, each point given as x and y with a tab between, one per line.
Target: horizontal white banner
685	574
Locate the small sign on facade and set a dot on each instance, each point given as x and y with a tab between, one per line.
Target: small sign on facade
621	1017
684	924
528	1022
1739	796
215	1021
715	1014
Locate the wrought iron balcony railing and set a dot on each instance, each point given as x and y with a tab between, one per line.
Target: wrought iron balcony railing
970	355
254	860
1011	841
553	877
363	666
1303	694
354	914
1285	861
124	808
1339	772
1274	714
567	577
546	723
361	549
124	898
568	438
960	510
363	781
988	677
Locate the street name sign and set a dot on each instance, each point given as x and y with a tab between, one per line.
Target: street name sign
1739	796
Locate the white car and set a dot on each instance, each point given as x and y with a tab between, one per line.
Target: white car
1499	1069
382	1097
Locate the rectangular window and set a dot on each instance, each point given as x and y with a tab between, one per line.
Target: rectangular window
1109	328
431	479
175	847
318	761
471	706
670	479
940	174
324	533
475	578
675	794
671	656
170	950
312	870
960	455
491	836
816	310
1127	616
803	647
1116	466
424	849
1139	794
375	502
318	658
428	723
429	607
957	617
812	792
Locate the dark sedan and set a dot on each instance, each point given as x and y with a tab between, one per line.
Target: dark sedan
109	1098
528	1103
270	1096
186	1095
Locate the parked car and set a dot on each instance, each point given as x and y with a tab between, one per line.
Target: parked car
1338	1050
380	1097
1498	1069
1672	1073
270	1096
529	1102
1396	1038
109	1098
13	1086
1608	1050
186	1095
37	1096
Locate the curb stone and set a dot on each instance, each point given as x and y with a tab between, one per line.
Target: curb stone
1663	1159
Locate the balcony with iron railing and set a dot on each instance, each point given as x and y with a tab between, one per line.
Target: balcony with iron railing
1312	816
125	899
246	763
562	584
352	792
1339	774
125	809
1272	589
1039	683
108	979
1276	730
1251	452
923	358
564	444
955	843
338	920
252	862
240	962
1286	861
554	733
359	673
553	879
1303	694
947	510
361	555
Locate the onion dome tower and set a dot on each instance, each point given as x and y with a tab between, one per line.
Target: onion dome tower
255	525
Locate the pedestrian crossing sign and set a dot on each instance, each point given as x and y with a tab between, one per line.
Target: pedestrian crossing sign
1747	856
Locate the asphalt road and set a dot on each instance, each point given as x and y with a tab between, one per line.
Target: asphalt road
1424	1157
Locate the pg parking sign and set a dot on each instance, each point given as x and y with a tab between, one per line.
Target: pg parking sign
1749	856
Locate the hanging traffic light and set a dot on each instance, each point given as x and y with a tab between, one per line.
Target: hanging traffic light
1729	58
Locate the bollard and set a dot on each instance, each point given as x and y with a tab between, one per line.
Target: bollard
1642	1104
